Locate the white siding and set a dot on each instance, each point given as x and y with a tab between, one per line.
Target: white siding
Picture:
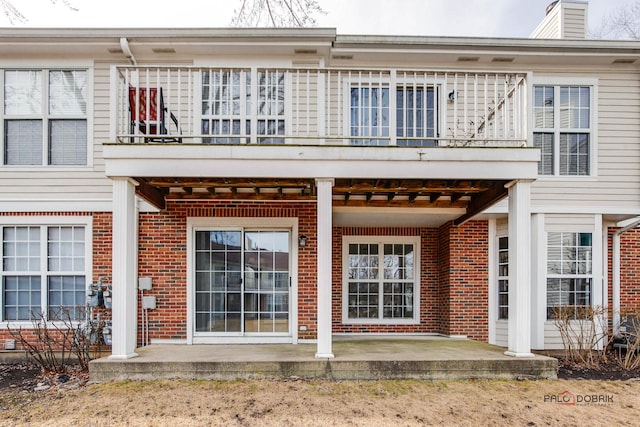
502	333
43	184
574	23
616	185
569	223
550	27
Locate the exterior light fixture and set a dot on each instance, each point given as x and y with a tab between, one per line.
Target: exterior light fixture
302	240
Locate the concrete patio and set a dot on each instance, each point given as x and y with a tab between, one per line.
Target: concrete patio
426	358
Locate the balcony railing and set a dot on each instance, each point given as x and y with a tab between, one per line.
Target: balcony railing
320	106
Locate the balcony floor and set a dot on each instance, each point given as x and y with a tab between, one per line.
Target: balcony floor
427	358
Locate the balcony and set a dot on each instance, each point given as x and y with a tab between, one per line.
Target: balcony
319	106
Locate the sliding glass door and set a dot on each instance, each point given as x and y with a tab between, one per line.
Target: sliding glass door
242	282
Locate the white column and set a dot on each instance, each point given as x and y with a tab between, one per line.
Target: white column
519	344
324	193
125	266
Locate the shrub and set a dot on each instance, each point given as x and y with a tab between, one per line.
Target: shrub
56	343
584	334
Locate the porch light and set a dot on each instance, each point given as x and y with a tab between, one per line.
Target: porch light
302	240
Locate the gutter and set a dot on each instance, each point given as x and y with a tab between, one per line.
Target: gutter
615	270
124	44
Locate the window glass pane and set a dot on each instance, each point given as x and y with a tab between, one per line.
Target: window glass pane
23	92
503	277
398	300
21	249
543	107
67	142
67	93
21	297
574	107
369	115
65	249
544	141
415	115
574	154
66	297
23	142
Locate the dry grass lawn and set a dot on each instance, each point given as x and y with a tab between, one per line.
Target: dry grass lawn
323	403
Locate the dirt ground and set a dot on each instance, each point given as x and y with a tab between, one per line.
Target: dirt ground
302	402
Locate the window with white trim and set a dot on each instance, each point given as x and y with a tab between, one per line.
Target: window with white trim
44	270
503	277
227	108
562	129
45	117
569	271
381	280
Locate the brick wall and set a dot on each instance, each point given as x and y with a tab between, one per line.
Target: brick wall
629	270
453	270
464	276
163	257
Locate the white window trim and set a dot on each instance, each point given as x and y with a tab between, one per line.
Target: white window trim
85	221
415	241
593	129
199	223
26	66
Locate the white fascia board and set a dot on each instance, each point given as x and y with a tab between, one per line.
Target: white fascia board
328	161
56	205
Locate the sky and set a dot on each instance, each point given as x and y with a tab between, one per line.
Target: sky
478	18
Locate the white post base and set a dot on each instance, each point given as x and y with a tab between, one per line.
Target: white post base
515	354
325	356
123	356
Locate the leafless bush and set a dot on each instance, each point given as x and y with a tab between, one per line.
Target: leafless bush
56	343
628	354
583	332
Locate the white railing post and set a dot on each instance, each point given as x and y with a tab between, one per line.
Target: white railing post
321	100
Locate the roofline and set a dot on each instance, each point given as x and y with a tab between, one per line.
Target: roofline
480	43
323	35
166	33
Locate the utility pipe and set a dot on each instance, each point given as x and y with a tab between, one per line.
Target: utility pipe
124	44
615	271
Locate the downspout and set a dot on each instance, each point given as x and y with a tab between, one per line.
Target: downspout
615	271
124	44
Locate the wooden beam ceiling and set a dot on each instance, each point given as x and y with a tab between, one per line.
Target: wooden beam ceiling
474	195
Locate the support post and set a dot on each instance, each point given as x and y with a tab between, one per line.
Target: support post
519	343
125	267
324	200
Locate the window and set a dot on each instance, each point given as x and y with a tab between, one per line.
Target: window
381	280
227	106
414	118
45	117
503	277
369	112
44	270
569	271
562	129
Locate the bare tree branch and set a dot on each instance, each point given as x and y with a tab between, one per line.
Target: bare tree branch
621	23
277	13
14	16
